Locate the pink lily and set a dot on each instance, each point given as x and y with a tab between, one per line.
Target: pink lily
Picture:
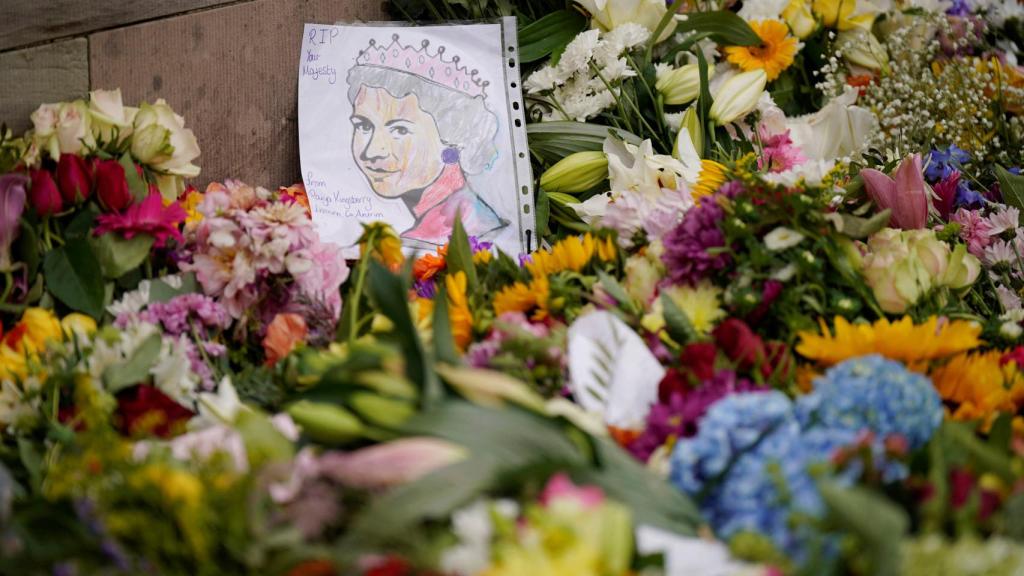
390	464
12	204
561	488
905	193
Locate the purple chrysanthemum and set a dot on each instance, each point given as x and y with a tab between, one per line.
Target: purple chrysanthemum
686	254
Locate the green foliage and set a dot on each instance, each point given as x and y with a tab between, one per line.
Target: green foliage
71	276
549	35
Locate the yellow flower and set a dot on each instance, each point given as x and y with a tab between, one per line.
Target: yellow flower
459	316
900	340
712	175
775	53
482	256
41	326
843	14
78	324
520	297
191	203
980	386
798	16
606	249
571	253
700	303
387	246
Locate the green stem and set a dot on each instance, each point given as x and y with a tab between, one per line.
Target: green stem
364	260
8	286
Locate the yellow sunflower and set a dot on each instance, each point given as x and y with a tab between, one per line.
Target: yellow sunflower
899	340
520	297
458	309
775	53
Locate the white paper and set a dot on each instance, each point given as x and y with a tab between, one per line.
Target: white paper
411	126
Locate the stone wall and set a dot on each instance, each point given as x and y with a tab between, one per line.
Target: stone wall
229	67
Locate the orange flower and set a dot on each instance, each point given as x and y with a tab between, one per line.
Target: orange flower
521	297
285	332
296	193
429	265
775	53
980	386
901	340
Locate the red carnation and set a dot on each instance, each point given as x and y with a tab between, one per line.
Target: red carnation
146	410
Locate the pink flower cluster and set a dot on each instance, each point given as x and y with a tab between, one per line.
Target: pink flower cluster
260	255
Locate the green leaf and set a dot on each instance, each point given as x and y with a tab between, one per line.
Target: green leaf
857	227
724	26
616	290
389	292
653	501
26	248
1012	188
72	276
878	523
118	255
444	342
135	369
32	460
136	184
984	456
543	212
549	34
82	224
1013	516
160	291
677	323
460	255
552	141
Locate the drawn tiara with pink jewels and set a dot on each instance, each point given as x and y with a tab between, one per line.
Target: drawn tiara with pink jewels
420	62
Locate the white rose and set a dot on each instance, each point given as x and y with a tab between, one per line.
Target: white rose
161	140
73	127
110	117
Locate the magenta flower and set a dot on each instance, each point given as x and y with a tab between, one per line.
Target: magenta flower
778	152
12	204
905	193
561	488
945	190
147	217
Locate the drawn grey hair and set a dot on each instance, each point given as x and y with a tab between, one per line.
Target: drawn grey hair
463	122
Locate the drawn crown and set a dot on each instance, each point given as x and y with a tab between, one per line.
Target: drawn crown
421	63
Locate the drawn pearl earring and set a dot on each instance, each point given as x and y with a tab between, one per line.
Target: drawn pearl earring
450	155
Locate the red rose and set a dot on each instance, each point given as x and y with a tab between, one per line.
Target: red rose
699	359
74	179
44	196
112	186
740	343
146	410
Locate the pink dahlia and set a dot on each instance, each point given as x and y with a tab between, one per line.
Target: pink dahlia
147	217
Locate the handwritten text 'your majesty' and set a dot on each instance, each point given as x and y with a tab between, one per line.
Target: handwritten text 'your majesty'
310	66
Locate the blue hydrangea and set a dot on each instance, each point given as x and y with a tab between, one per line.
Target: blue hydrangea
875	394
749	465
942	163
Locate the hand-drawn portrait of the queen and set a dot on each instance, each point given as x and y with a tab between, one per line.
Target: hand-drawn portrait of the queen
422	132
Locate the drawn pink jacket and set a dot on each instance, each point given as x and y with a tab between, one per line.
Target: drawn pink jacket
442	201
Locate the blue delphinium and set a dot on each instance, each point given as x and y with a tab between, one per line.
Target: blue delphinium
873	394
942	163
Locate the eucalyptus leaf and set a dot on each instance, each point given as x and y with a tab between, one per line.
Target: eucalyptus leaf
72	277
135	369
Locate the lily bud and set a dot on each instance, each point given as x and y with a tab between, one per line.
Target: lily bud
12	204
576	172
680	85
390	464
323	422
860	47
691	124
112	186
44	196
738	96
801	22
73	179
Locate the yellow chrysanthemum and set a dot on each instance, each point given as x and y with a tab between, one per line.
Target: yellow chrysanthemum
980	386
900	340
193	198
775	53
712	175
459	316
700	303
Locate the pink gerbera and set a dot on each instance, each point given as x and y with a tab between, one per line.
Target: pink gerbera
147	217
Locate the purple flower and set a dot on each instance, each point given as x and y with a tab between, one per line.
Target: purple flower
12	204
680	416
478	245
686	254
425	288
181	313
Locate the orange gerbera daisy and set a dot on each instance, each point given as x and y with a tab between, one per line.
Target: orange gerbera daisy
980	386
428	265
775	53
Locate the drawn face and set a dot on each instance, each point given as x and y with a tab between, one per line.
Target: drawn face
395	143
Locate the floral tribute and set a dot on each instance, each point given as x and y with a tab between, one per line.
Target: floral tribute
773	324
